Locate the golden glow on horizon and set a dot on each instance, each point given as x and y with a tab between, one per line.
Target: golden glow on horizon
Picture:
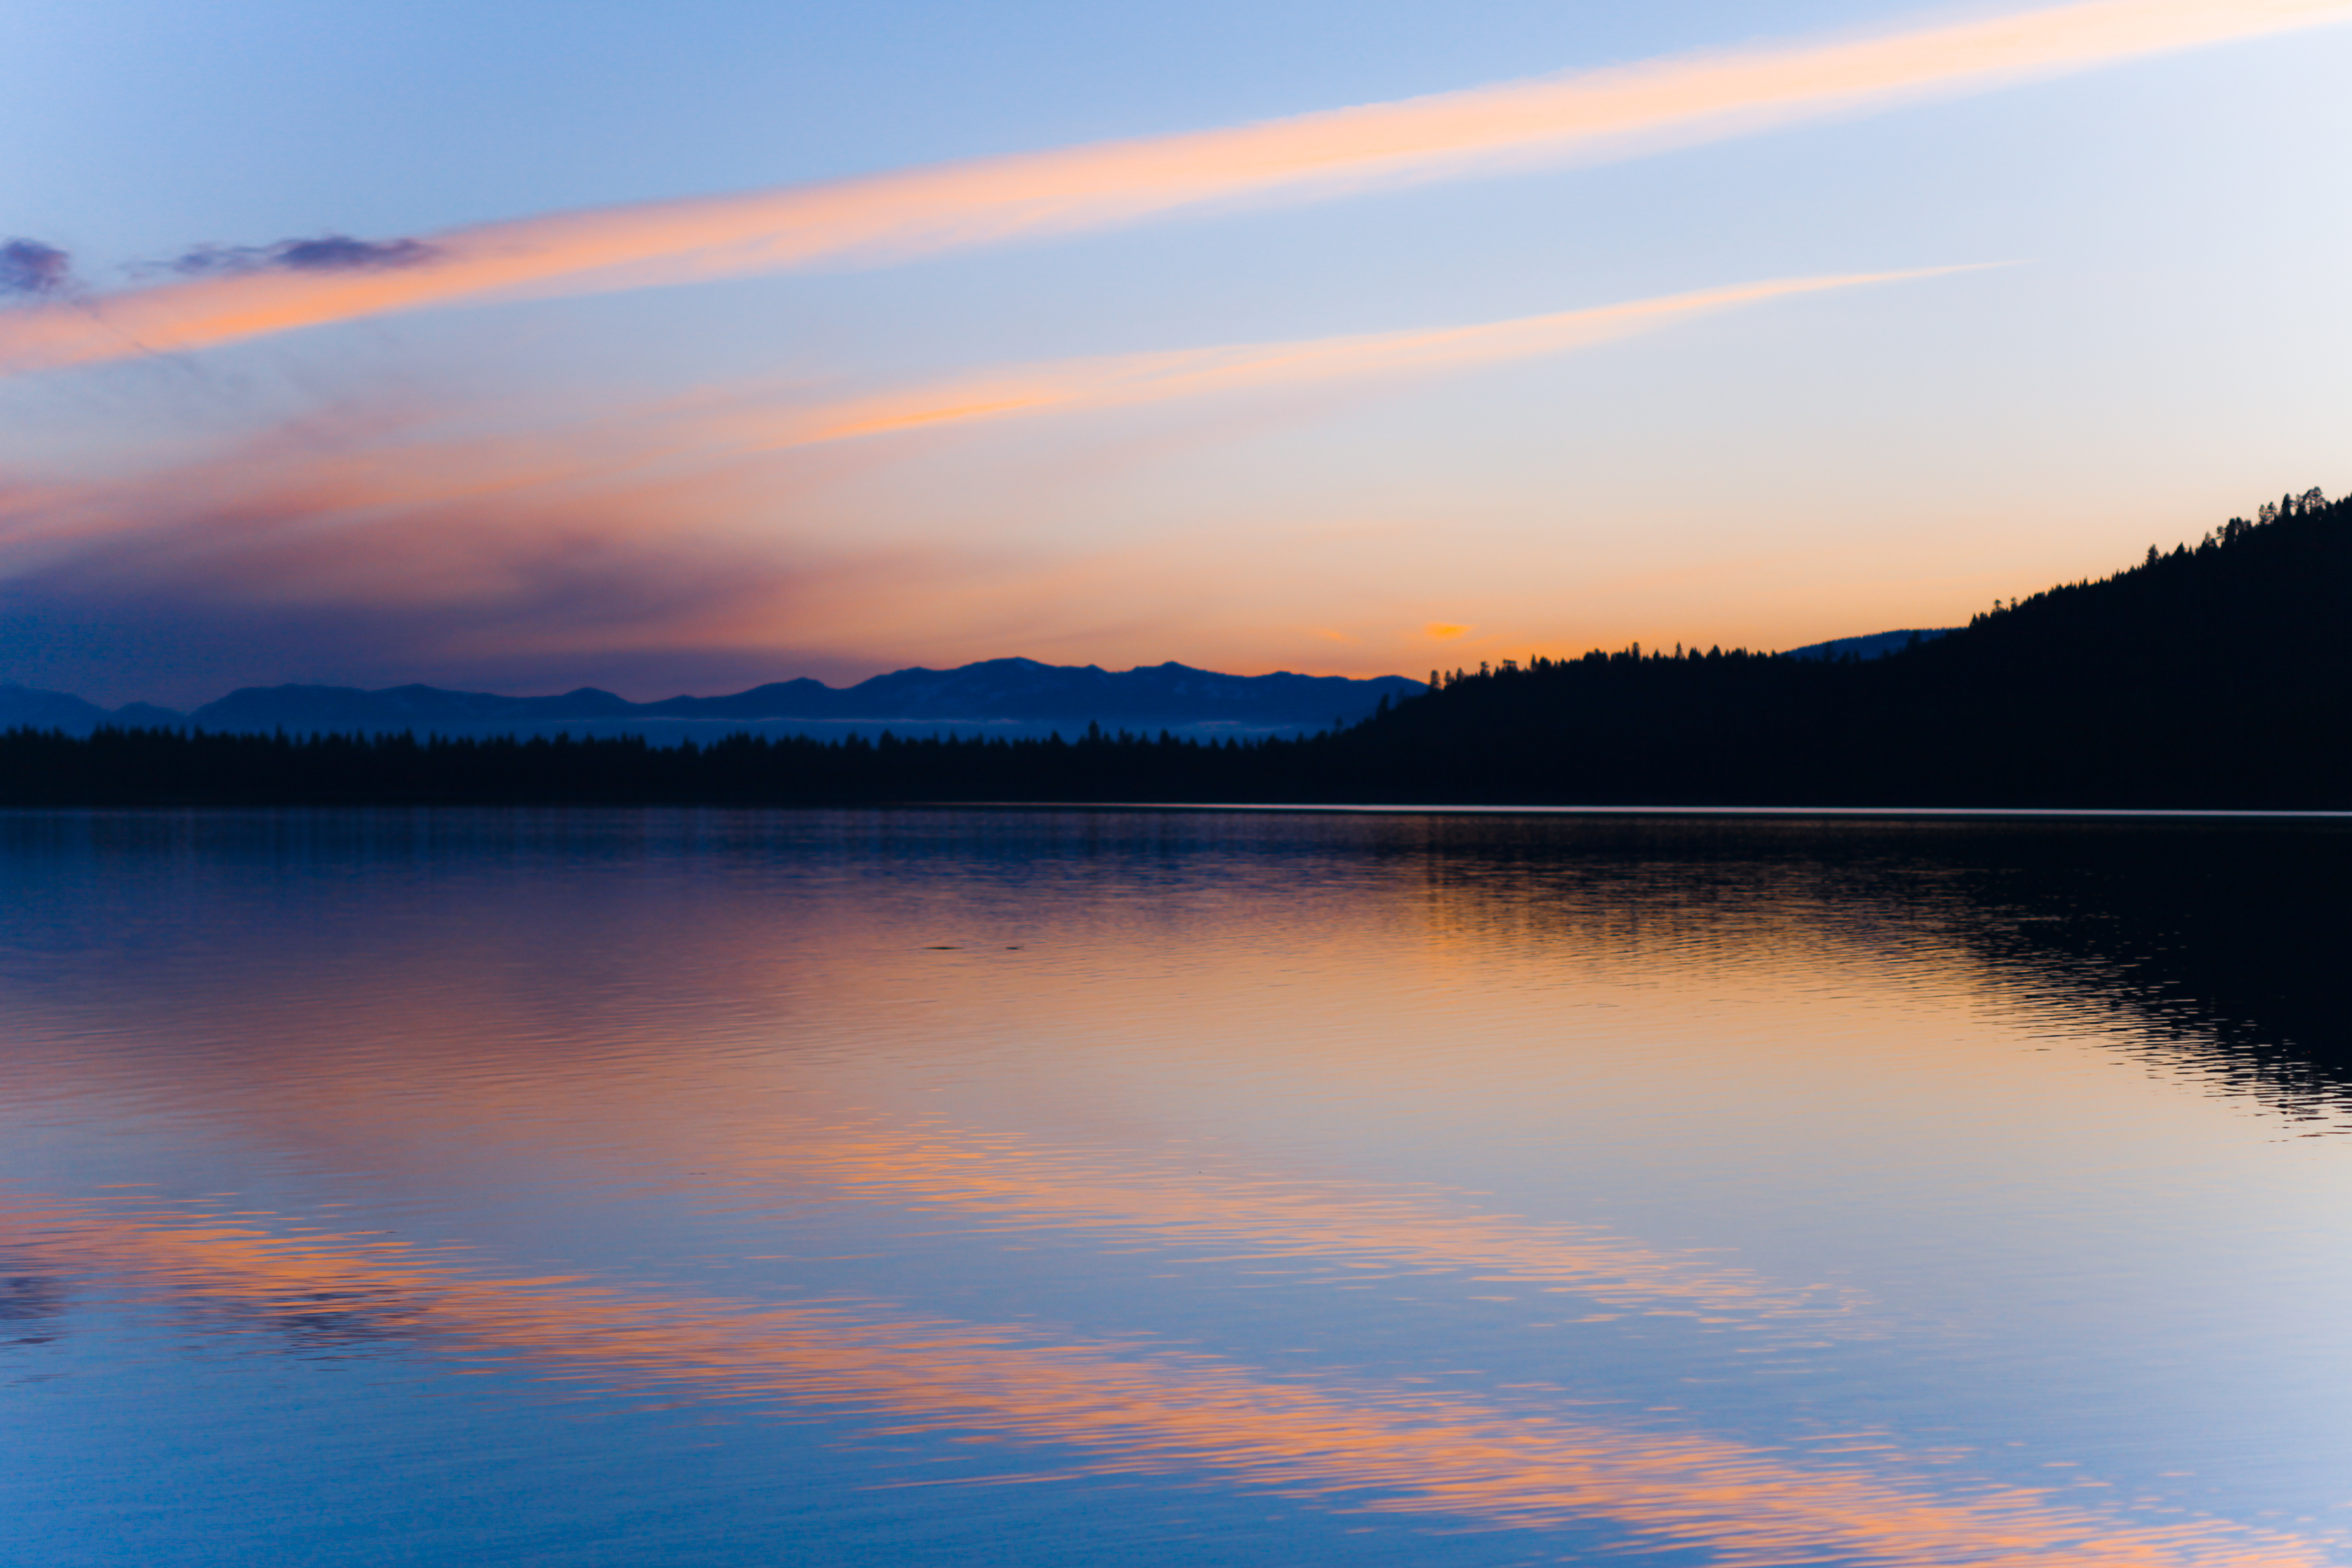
1580	115
1161	1412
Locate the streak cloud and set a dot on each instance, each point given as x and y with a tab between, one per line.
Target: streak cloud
1580	116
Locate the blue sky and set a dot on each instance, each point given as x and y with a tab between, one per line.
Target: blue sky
616	481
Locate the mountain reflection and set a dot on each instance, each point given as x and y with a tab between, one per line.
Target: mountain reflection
2217	944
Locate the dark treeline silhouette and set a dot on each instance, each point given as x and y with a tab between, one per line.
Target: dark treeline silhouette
164	766
2215	676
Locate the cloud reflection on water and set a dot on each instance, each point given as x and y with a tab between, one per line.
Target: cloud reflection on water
1356	1445
771	1018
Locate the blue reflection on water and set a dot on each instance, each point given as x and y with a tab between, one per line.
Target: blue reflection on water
584	1187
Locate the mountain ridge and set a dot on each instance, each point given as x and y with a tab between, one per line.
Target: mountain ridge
1000	690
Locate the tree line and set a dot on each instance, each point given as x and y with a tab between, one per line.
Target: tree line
2216	675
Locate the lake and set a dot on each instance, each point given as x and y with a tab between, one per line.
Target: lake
1067	1187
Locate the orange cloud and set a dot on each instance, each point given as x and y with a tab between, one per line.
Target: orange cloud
1584	115
1128	379
340	464
610	529
1383	1448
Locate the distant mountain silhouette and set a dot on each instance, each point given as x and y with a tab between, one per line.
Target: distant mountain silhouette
348	708
142	715
1012	689
1016	691
22	706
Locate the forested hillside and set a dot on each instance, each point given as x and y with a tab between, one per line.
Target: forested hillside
2215	675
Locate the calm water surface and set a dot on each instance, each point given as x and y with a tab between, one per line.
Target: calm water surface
1067	1187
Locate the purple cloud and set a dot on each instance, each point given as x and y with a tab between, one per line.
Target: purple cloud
28	266
335	252
328	253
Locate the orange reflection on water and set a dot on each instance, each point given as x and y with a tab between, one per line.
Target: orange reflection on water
450	1084
1010	1183
1182	1198
1358	1446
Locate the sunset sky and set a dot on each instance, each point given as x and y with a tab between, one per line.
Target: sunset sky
678	349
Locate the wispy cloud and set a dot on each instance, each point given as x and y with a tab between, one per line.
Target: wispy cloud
1128	379
625	531
27	267
326	253
1578	116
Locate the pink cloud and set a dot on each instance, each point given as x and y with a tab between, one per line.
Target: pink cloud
1578	116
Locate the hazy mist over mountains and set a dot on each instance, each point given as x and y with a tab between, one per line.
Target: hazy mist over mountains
1004	696
1000	696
